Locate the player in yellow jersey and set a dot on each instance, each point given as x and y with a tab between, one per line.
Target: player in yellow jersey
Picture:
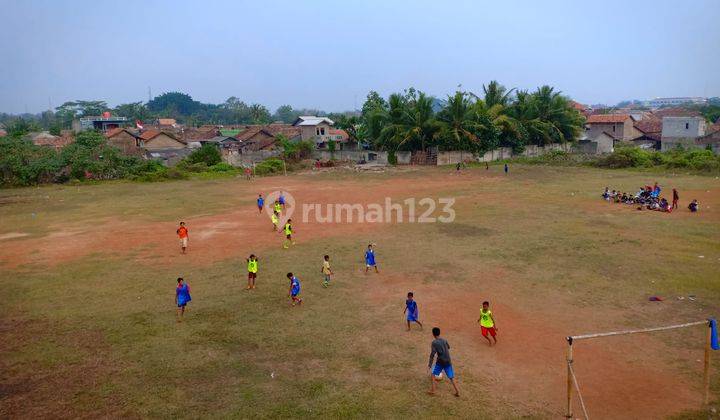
275	221
288	230
252	266
487	323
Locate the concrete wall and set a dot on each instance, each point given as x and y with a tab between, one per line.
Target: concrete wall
247	159
403	158
596	146
587	147
453	157
675	127
670	143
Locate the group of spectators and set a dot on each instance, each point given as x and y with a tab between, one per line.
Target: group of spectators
648	198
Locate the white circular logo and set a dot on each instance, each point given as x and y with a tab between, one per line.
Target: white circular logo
287	209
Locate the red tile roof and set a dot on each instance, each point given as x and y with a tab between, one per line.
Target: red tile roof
151	134
649	125
166	121
607	118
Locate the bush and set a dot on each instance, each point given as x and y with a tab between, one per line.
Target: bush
392	158
626	157
633	157
187	166
296	151
269	166
207	154
222	167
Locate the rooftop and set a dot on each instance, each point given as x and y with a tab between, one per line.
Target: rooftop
608	118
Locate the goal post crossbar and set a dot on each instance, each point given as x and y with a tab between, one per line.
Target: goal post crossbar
572	338
572	383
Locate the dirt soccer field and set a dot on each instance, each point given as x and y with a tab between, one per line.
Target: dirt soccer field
87	315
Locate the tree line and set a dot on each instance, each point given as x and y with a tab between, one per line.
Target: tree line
496	117
180	106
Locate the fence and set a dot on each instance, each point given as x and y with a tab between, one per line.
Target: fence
403	157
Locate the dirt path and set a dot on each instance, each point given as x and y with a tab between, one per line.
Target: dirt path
526	370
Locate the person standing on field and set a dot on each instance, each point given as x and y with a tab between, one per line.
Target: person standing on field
676	197
252	266
182	233
506	169
182	297
326	270
441	348
370	259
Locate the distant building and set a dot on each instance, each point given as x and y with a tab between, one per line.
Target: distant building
152	140
681	131
675	101
166	123
125	140
711	140
619	126
44	138
258	138
102	123
315	129
600	144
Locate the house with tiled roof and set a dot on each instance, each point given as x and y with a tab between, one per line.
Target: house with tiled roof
619	126
711	140
257	138
44	138
125	140
160	140
166	122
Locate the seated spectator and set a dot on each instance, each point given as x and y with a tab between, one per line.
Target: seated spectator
664	205
606	194
693	206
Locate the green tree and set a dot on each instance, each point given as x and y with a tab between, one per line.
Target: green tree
207	154
174	104
259	114
285	114
133	111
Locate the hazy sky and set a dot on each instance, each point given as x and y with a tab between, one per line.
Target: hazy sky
329	54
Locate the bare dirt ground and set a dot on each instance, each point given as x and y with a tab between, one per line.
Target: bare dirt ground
526	370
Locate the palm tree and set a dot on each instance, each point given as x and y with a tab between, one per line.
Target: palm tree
419	125
461	124
496	94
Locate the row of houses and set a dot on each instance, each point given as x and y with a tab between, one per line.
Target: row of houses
171	142
663	129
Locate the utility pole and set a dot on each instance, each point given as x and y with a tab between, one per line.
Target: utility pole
149	94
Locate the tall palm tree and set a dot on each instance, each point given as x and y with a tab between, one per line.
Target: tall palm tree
496	94
419	123
460	123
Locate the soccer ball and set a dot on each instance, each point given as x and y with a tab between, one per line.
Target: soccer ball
439	377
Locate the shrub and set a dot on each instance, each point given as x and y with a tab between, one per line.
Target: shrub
295	151
207	154
392	158
626	157
222	167
187	166
269	166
